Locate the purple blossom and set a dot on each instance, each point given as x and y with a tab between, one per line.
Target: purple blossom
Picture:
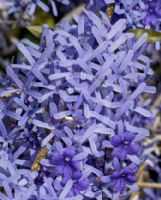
123	145
139	14
152	13
128	9
122	177
69	168
75	91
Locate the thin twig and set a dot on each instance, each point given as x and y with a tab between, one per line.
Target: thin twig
149	185
135	195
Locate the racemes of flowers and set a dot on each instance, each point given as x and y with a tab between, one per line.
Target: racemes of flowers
139	13
78	95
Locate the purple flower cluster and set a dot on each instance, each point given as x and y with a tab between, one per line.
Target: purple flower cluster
152	13
124	176
139	13
124	145
76	95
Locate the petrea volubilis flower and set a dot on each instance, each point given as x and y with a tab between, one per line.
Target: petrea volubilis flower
122	9
76	92
121	177
66	165
124	145
69	167
140	14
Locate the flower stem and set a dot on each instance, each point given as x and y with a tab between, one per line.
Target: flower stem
149	185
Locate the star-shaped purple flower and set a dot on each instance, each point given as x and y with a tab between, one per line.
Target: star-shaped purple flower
66	166
123	177
124	145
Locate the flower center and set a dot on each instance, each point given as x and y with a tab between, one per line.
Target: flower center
67	159
151	10
126	142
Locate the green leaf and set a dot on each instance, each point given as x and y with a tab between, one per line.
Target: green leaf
35	30
43	18
36	26
153	35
